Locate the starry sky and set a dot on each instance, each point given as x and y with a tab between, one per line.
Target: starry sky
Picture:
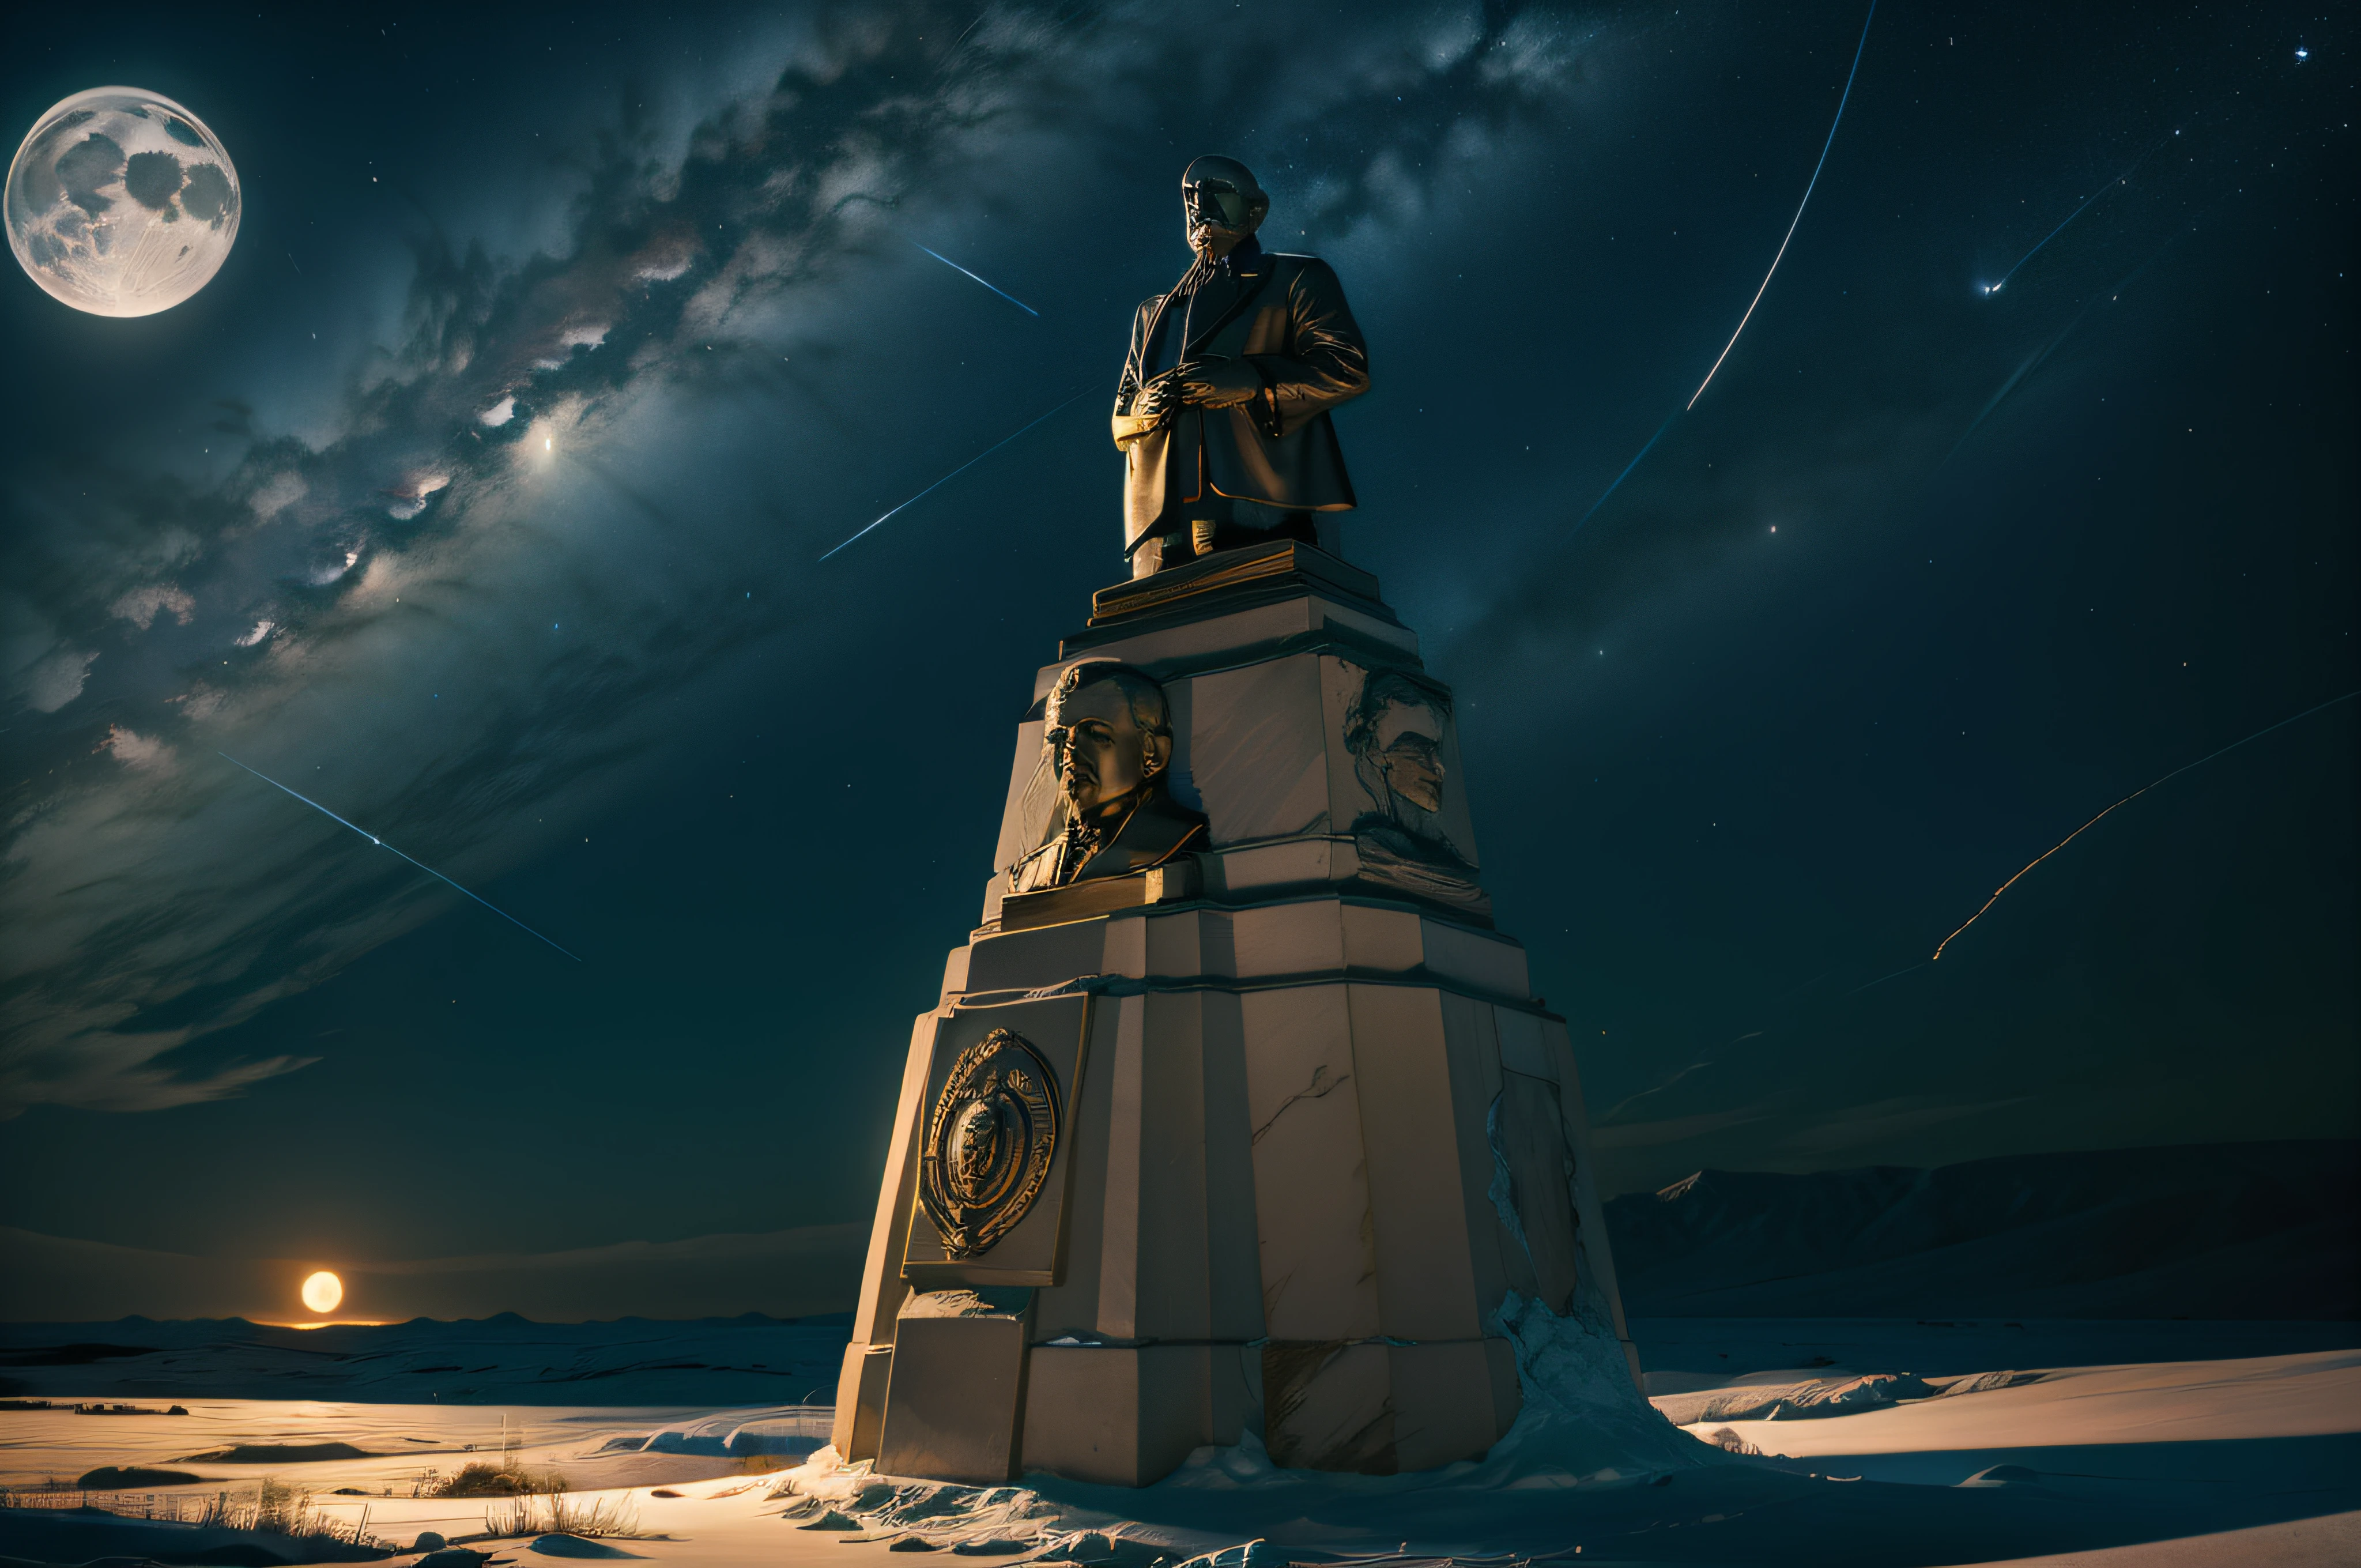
482	498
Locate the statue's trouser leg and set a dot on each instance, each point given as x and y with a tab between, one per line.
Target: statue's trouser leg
1218	522
1252	522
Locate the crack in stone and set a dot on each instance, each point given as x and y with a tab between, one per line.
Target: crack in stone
1320	1088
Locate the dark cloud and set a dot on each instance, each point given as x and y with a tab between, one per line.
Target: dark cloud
156	619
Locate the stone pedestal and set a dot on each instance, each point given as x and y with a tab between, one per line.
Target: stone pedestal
1310	1123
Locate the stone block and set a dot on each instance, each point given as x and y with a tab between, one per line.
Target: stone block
1444	1402
1310	1172
1120	1230
1530	1131
1382	1409
1126	949
1072	1307
1507	1392
882	1288
1234	1263
1377	938
1178	647
1174	943
1300	937
860	1399
1498	1262
1032	793
1524	1046
1044	955
1480	959
1172	1288
1328	1405
1418	1218
1118	1415
1023	1228
955	1398
1262	870
1257	751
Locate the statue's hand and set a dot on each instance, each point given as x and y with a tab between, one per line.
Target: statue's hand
1220	383
1160	399
1152	407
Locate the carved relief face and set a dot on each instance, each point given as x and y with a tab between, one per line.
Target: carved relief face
1102	755
975	1143
1409	751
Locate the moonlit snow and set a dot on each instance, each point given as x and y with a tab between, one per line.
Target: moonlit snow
1802	1444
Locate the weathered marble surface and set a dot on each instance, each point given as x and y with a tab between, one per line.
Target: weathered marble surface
1321	1125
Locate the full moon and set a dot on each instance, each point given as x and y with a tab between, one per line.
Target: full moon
121	203
323	1291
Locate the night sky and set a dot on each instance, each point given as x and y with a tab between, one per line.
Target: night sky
1859	638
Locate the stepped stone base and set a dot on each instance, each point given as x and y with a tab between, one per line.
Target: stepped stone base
1313	1123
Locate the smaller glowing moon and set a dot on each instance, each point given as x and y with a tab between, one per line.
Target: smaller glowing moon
323	1291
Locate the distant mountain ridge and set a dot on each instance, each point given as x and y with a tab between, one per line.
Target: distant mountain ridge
2206	1231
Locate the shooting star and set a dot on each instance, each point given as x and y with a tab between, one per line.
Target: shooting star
955	473
1726	348
2032	362
1880	980
381	844
1628	467
2124	177
1799	218
1003	293
2126	800
2041	355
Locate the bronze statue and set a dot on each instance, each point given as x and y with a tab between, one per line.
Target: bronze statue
1110	736
1222	414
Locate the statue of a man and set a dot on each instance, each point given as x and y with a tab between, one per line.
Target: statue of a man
1110	734
1222	411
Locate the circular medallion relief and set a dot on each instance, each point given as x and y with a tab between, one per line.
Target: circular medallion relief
991	1136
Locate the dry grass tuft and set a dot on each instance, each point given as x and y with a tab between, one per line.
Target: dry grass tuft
555	1513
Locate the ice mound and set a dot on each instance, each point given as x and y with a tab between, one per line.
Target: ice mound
1583	1418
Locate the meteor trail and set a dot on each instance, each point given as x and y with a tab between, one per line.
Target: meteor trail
955	473
1003	293
2126	800
1799	218
2053	234
1628	467
2032	363
2041	356
1726	348
381	844
1880	980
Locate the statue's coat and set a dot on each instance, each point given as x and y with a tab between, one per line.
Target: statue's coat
1281	449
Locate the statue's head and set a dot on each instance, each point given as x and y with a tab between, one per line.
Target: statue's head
1395	733
1111	732
1219	204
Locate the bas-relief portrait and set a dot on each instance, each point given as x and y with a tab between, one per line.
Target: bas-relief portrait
1105	797
1396	732
1108	743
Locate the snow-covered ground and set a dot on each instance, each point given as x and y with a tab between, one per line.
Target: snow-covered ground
2209	1444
